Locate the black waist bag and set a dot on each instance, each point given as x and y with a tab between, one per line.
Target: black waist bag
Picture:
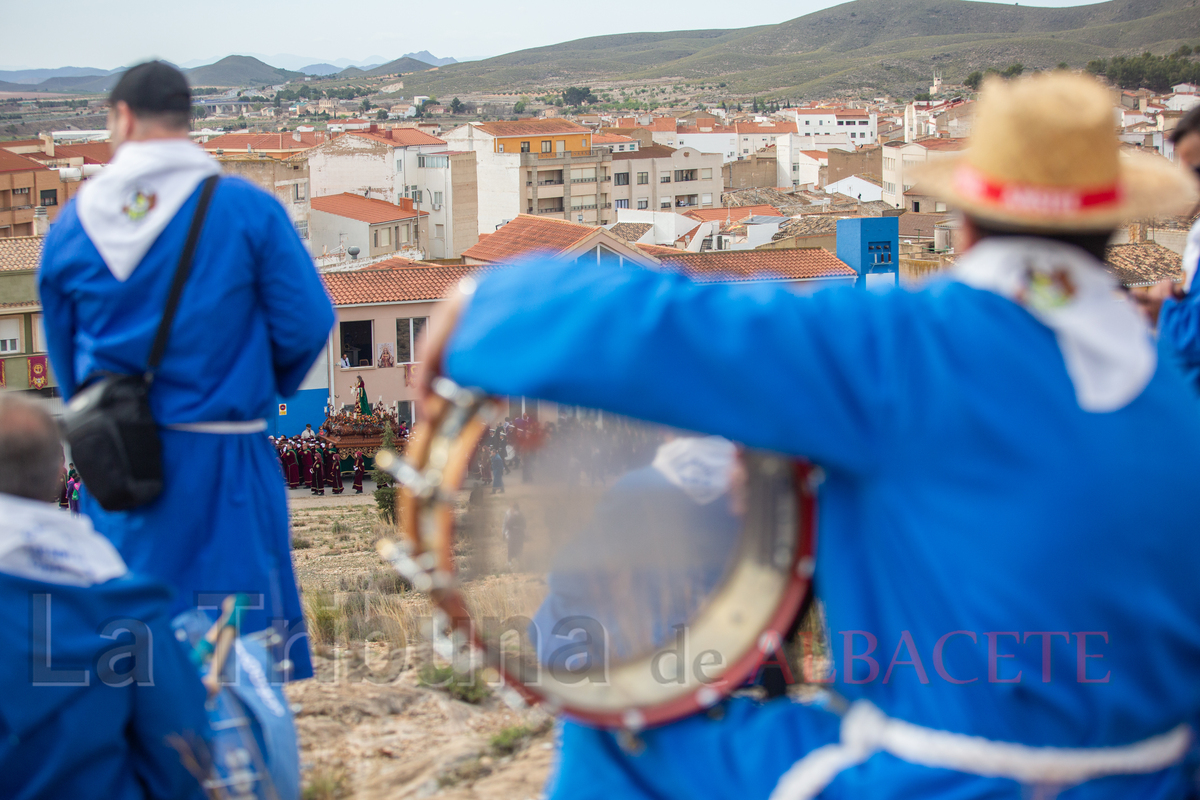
113	436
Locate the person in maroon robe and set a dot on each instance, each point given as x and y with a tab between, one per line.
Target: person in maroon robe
318	473
359	472
306	465
333	471
292	462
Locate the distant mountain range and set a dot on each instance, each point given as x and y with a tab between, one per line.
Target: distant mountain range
240	70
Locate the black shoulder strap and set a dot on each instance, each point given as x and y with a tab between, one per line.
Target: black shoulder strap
181	275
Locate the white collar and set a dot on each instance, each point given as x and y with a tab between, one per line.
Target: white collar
1105	342
701	466
126	206
42	542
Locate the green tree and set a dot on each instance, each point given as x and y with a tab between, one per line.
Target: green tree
456	106
385	495
519	107
381	114
366	104
1063	65
973	80
576	96
199	112
1013	70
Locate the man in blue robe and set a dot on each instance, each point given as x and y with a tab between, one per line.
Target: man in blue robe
93	686
1010	616
1179	317
252	319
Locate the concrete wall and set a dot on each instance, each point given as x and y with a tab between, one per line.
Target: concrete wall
287	181
498	176
329	232
354	164
856	187
867	161
753	172
462	223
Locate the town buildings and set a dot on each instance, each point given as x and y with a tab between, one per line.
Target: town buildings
375	227
394	164
902	160
661	177
285	178
543	167
31	195
23	362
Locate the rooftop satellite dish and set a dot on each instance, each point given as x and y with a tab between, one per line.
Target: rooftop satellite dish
353	252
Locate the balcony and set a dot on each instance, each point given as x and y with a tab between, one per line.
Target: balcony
595	154
547	183
550	210
585	207
583	180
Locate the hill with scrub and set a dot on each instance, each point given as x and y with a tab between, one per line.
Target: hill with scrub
862	46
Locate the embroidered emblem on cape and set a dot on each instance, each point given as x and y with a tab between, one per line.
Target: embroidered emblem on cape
139	205
1105	344
1046	290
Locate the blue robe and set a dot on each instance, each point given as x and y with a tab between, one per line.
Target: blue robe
253	318
60	740
966	491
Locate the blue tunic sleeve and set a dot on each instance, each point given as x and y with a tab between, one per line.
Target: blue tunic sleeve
298	311
1179	329
760	364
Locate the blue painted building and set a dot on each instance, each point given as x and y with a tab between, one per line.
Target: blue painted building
870	246
307	406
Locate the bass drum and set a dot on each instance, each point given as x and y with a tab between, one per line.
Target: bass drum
618	571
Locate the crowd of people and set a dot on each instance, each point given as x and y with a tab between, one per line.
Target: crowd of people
316	465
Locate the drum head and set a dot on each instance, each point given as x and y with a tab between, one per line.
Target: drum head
623	572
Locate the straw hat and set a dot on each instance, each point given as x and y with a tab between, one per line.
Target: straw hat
1044	155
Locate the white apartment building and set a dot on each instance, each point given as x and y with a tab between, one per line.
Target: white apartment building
823	128
899	160
660	178
394	163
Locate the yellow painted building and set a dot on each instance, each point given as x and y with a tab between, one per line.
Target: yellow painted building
538	136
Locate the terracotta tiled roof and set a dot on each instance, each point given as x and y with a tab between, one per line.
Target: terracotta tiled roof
1142	264
811	225
363	209
611	138
819	155
11	162
658	250
919	226
661	125
752	265
732	214
630	231
394	285
943	144
266	141
21	143
20	252
398	137
650	151
526	235
531	127
92	152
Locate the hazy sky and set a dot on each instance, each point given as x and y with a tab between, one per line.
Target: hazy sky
108	35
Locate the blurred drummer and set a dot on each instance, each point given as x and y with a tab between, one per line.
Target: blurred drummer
93	685
1010	617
